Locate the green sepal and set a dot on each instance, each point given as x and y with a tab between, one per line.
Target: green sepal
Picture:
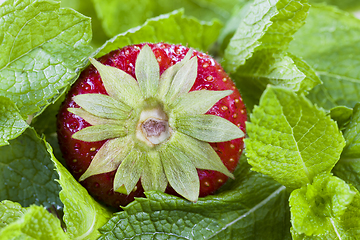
119	84
168	75
153	176
180	172
198	102
202	155
208	128
109	156
183	80
129	171
103	106
100	132
92	119
147	72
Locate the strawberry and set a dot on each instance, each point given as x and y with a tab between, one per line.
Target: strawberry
152	117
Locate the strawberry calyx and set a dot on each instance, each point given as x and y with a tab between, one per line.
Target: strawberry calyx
157	130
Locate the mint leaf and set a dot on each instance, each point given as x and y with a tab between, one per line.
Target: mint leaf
36	223
278	69
134	13
82	214
329	42
10	212
290	143
316	209
341	115
87	8
171	28
42	48
253	207
348	167
349	5
12	124
267	25
26	172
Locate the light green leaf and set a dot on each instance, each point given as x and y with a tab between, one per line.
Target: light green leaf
202	155
315	207
349	5
267	25
147	72
252	207
113	12
170	28
198	102
290	143
352	135
11	122
341	115
208	128
83	216
26	172
153	176
278	69
42	48
109	157
36	223
119	84
330	43
348	167
103	106
92	119
129	171
10	212
180	172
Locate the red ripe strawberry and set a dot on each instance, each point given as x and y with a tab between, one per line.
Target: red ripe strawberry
152	117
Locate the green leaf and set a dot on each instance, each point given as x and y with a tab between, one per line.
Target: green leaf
112	12
330	43
147	72
342	115
326	209
208	128
198	102
267	25
26	172
348	167
109	157
349	5
103	106
42	48
100	132
119	84
170	28
10	212
290	143
278	69
180	172
129	171
83	216
315	208
36	223
12	124
253	207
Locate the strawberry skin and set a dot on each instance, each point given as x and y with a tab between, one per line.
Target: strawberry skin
78	154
